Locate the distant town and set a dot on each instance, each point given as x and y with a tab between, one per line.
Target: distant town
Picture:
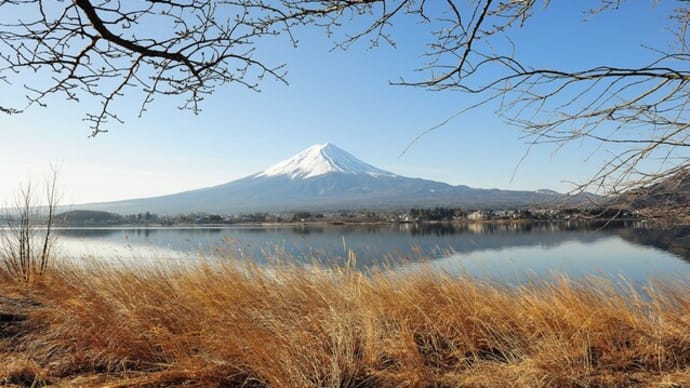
413	215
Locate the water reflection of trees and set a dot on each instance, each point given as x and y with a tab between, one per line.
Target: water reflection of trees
676	240
441	229
141	232
446	229
303	230
138	232
86	233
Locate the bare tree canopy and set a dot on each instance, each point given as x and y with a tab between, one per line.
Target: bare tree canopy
189	48
639	114
642	110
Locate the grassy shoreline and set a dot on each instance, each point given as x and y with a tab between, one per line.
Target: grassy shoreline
238	324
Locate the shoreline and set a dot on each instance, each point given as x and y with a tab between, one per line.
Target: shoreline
355	223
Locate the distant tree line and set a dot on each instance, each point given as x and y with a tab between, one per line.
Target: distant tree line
437	213
141	218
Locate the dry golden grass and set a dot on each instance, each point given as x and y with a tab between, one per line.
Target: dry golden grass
230	325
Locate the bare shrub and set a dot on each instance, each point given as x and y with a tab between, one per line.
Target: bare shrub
27	238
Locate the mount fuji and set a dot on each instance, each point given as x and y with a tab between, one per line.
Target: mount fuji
326	177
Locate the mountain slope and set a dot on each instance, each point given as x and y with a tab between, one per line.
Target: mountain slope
666	201
325	177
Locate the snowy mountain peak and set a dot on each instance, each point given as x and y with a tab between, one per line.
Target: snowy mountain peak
321	159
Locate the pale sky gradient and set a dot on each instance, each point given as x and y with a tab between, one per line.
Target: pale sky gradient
334	97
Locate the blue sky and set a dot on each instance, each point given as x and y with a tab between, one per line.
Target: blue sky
340	97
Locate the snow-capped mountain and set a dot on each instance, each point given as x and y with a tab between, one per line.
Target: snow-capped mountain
321	159
325	177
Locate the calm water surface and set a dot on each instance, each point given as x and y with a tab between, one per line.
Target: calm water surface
501	251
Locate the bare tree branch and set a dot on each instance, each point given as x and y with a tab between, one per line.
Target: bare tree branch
99	49
639	116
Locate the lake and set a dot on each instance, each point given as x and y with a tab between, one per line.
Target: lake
506	252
